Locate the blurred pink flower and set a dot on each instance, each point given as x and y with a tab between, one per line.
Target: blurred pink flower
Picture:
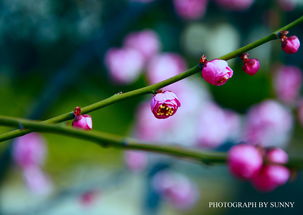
216	72
88	197
190	9
235	4
135	160
276	156
244	161
216	125
288	81
287	5
270	177
177	189
164	66
37	181
124	64
164	104
268	124
29	150
146	42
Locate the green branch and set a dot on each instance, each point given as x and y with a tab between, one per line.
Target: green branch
110	140
151	88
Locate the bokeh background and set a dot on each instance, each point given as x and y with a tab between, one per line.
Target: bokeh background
56	55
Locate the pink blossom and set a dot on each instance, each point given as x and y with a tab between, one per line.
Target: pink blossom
83	122
146	42
268	124
244	161
277	156
135	160
287	5
215	126
164	104
291	44
288	81
124	65
29	150
164	66
190	9
216	72
251	66
176	189
270	177
235	4
37	181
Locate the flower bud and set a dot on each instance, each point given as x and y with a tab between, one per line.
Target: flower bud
277	156
251	66
82	121
216	72
290	45
164	104
270	177
244	161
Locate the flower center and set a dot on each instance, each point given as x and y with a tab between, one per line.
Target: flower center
164	110
222	80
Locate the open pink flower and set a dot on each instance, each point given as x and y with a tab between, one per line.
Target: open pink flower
178	190
124	64
288	82
146	42
244	161
270	177
291	44
216	72
164	104
235	4
190	9
29	150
